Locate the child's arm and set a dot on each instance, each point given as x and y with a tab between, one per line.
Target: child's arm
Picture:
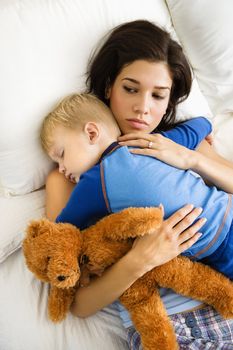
204	160
175	236
212	167
191	152
58	191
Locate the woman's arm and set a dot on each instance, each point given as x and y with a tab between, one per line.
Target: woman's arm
212	167
175	236
204	160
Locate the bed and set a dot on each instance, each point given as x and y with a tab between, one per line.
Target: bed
45	46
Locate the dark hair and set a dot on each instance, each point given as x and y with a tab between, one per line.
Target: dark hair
140	40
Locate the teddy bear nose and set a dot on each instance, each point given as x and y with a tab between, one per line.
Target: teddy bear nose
61	278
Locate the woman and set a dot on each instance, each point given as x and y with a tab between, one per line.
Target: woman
142	74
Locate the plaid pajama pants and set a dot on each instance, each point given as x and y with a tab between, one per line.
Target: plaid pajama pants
202	329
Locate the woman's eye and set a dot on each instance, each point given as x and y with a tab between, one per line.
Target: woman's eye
158	97
129	89
62	154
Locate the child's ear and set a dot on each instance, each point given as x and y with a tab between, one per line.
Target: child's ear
91	129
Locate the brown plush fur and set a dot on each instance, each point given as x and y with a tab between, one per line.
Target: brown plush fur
53	252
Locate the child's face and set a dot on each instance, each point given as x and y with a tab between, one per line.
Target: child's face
72	151
139	96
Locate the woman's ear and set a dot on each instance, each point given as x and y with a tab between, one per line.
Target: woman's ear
107	91
92	131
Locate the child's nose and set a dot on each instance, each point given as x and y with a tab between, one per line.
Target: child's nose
62	169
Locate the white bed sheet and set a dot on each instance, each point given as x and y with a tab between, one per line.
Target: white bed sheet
23	299
24	324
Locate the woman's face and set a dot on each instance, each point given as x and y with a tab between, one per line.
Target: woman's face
139	96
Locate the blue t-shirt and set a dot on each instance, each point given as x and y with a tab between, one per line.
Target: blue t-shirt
87	203
122	179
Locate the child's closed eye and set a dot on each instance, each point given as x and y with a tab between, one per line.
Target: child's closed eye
62	154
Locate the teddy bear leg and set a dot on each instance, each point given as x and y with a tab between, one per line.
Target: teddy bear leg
59	303
198	281
149	317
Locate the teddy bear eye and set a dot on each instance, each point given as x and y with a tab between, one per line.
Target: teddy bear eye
48	258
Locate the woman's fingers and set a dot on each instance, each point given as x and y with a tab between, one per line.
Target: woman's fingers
135	136
187	221
141	140
143	143
188	244
179	215
191	231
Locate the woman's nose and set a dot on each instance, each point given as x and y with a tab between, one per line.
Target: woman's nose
142	105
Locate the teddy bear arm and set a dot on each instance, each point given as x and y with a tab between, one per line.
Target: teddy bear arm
59	303
149	316
110	238
129	223
197	281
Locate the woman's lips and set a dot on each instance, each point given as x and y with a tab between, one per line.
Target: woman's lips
137	123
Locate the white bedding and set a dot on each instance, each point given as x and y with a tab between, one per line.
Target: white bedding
44	50
23	317
17	212
23	299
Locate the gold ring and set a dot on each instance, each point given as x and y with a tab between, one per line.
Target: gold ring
150	144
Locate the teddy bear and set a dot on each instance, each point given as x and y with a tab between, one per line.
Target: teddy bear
55	253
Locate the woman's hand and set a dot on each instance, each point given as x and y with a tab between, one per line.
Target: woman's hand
177	234
160	147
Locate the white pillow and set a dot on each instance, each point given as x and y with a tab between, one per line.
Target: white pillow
195	105
17	212
223	130
205	30
45	47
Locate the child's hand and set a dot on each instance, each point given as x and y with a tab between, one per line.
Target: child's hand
210	139
177	234
160	147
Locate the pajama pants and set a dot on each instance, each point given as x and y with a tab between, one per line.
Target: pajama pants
202	329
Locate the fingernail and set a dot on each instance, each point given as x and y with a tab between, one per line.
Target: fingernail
203	219
199	234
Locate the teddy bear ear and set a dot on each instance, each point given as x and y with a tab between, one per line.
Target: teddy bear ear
37	227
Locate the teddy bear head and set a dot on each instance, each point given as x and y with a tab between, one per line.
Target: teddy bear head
52	252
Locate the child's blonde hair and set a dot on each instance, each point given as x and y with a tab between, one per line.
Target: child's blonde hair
73	112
